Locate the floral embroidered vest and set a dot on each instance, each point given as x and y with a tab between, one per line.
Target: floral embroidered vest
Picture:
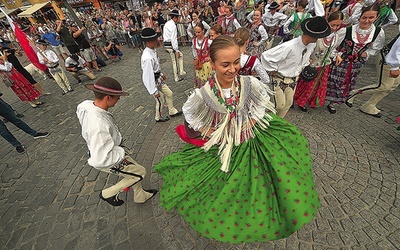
254	35
347	46
204	51
228	25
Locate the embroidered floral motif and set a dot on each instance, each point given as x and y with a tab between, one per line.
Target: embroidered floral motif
231	102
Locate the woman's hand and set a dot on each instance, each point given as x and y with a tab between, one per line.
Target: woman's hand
208	133
364	54
339	59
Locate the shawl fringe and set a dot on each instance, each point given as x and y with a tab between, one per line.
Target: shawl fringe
229	132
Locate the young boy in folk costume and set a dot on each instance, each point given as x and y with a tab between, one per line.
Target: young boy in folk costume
286	61
51	60
273	21
292	26
153	78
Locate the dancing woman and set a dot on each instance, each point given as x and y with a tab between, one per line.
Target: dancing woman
312	93
250	65
252	179
258	36
361	41
201	54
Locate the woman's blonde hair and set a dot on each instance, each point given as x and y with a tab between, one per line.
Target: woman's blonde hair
221	42
241	36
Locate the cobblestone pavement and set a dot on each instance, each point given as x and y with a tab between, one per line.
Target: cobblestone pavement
49	196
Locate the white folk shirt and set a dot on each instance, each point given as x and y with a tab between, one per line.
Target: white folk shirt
150	65
69	62
101	135
190	29
170	34
273	20
235	22
50	55
288	58
393	57
6	66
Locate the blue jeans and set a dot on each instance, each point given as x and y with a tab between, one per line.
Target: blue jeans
7	112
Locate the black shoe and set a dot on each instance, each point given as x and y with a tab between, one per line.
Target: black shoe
331	109
41	135
179	113
163	119
179	79
379	115
63	93
113	200
70	90
19	115
349	104
80	82
152	191
20	149
304	109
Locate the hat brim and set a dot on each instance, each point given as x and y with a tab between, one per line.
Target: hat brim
174	14
272	7
314	34
92	88
146	39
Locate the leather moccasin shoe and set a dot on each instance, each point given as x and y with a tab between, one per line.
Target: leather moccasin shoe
163	119
349	104
178	113
113	200
152	191
331	109
304	109
179	79
378	115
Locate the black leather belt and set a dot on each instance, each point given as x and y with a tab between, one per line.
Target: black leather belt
167	44
52	67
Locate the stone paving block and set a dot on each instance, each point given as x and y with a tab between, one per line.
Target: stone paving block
26	246
69	201
361	237
100	185
347	238
42	241
348	225
386	244
104	239
85	170
92	175
120	233
323	224
59	231
15	237
124	245
71	243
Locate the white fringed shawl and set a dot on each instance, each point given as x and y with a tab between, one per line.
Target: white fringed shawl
202	110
